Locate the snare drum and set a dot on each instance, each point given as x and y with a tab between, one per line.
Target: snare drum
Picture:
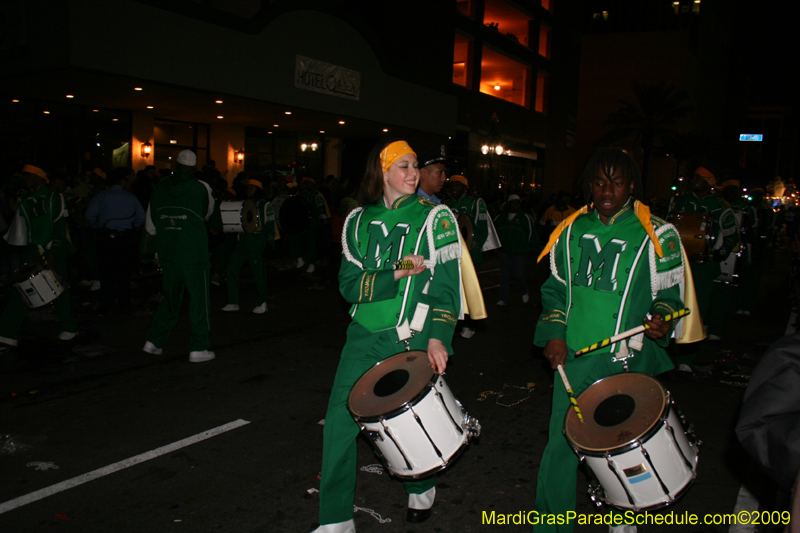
37	285
633	442
411	415
695	232
467	229
238	216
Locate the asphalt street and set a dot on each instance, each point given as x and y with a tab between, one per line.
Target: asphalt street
97	436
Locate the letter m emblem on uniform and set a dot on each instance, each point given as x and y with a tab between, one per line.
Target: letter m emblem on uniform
384	245
601	261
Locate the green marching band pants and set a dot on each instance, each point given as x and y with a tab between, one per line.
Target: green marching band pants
195	279
338	480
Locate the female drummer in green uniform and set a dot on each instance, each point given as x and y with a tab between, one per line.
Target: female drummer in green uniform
392	310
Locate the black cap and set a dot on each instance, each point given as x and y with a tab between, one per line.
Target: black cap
431	156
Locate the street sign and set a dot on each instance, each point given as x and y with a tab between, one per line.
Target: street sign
751	137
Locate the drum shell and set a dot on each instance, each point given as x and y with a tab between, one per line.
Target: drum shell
467	229
39	287
406	432
238	216
731	267
695	232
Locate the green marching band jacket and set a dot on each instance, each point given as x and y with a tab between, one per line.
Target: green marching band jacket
604	280
373	239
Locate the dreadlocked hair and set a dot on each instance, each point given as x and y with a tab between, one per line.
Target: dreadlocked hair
604	161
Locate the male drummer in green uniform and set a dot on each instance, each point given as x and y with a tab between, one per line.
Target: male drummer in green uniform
40	225
179	208
602	283
713	298
250	250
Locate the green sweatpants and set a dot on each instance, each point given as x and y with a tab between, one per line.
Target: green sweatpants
251	253
176	278
338	481
15	311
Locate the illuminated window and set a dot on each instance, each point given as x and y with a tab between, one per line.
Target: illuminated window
467	7
547	4
676	7
696	6
542	90
508	21
601	15
503	77
462	61
545	37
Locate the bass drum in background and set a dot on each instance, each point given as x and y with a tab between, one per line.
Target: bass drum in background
467	229
294	215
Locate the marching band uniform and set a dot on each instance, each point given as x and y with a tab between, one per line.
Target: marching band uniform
177	215
250	250
713	298
40	225
383	309
518	234
604	280
476	209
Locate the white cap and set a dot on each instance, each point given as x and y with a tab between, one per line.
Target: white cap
512	197
187	157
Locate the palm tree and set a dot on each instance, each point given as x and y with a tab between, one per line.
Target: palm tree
650	118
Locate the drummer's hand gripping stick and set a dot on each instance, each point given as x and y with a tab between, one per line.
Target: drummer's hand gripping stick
630	333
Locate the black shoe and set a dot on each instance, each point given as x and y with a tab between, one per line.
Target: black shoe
416	516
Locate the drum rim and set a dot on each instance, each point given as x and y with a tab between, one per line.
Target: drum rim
636	442
448	463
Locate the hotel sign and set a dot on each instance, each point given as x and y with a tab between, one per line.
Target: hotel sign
314	75
751	137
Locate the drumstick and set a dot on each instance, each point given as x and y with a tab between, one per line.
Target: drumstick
571	394
630	333
407	265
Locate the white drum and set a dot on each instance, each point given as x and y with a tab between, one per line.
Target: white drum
36	285
238	216
633	442
411	415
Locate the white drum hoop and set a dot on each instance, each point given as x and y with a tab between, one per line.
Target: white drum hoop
37	286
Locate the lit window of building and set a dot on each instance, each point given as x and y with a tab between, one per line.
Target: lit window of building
676	7
507	20
462	61
542	90
467	7
696	6
503	77
545	38
548	5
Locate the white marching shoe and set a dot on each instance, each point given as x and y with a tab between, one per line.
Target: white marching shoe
261	309
419	506
622	528
231	307
339	527
201	356
149	347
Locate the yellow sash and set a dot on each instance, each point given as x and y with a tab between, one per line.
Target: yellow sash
471	294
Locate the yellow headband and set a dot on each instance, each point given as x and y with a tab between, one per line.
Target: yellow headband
34	170
393	152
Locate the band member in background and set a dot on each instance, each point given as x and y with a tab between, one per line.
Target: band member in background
432	173
391	226
250	250
40	225
517	232
177	215
475	208
601	284
713	298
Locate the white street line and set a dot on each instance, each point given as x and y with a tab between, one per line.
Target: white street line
744	502
790	329
116	467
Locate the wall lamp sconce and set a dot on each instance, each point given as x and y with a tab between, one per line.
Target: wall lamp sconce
240	156
147	149
485	149
313	146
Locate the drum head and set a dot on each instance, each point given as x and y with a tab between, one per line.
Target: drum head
617	410
466	228
26	271
390	384
294	215
249	216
